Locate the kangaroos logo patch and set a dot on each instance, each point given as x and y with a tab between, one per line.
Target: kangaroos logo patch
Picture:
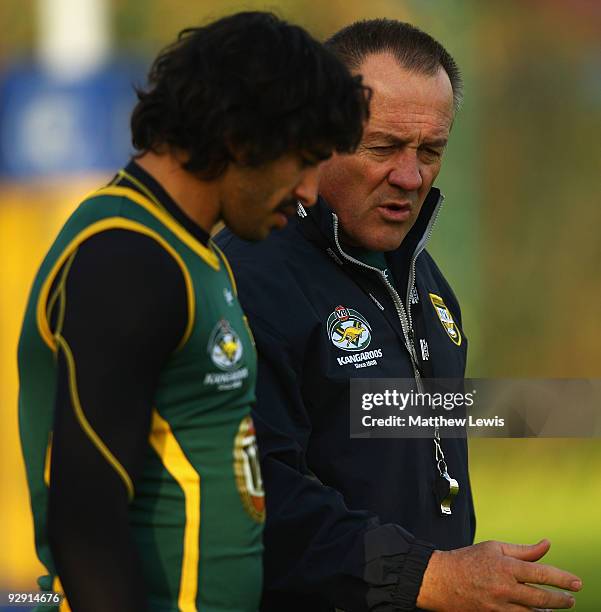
446	318
225	347
348	330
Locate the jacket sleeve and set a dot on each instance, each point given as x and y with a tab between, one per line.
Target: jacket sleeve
314	544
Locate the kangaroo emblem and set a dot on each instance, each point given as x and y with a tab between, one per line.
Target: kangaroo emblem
348	330
352	334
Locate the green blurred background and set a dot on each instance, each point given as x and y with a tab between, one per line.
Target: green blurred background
518	238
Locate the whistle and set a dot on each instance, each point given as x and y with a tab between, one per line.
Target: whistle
448	488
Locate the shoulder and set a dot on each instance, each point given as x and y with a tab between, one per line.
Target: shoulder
131	262
283	259
278	249
126	284
120	250
274	277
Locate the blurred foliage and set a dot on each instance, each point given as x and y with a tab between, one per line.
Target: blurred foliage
538	177
18	29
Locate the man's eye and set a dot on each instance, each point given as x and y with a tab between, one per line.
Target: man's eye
431	153
382	149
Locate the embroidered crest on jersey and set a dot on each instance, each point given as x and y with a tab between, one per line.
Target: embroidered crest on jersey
248	471
446	318
348	330
225	346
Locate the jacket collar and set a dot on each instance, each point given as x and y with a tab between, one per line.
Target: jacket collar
323	217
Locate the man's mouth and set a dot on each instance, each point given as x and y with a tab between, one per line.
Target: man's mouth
394	211
287	208
284	211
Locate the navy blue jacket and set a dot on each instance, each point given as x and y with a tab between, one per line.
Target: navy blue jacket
351	523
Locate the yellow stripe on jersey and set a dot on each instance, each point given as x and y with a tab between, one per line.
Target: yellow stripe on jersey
132	179
227	266
62	298
167	220
57	587
48	460
176	463
85	424
250	332
95	228
59	292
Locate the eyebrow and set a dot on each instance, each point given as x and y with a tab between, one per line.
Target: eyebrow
395	140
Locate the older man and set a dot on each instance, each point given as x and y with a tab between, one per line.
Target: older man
347	291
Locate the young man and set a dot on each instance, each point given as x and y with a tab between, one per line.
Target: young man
347	291
136	365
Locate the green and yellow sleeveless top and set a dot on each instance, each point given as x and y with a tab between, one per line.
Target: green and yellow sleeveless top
198	507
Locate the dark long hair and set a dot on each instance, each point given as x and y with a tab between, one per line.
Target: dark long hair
251	84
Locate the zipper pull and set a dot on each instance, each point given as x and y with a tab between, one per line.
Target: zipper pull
376	301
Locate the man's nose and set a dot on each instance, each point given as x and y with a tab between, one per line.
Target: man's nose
405	173
306	190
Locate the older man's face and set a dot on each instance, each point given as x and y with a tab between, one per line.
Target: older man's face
378	191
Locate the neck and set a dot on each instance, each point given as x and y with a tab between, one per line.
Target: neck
197	198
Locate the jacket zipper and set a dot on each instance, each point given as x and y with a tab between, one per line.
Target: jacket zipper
421	245
404	313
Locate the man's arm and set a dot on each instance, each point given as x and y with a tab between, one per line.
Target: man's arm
124	313
314	544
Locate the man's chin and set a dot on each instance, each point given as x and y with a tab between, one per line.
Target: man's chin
374	236
258	235
250	234
378	243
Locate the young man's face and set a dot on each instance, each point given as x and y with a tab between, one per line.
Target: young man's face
255	201
378	191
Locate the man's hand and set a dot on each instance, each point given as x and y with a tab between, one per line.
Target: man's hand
494	577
